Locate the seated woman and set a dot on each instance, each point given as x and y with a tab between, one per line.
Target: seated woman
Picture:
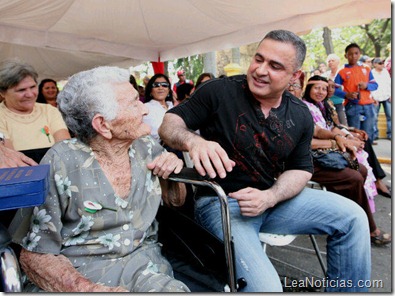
158	99
96	231
361	135
26	124
348	182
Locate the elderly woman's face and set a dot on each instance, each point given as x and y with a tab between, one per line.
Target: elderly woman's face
22	97
160	89
295	89
128	124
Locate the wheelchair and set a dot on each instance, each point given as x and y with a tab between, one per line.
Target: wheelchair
212	258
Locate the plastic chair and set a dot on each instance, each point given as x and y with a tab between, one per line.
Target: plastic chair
272	239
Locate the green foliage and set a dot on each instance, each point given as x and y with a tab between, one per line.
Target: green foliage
372	38
192	65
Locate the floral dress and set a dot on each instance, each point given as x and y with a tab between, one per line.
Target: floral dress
115	245
362	156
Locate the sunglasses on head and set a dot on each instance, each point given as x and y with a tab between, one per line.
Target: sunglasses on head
158	84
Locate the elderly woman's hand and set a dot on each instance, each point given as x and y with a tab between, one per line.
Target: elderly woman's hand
165	164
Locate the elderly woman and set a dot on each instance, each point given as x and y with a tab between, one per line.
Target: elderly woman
26	124
96	231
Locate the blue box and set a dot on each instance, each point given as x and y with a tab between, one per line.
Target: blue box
22	187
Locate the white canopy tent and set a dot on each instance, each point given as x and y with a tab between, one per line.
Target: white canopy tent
62	37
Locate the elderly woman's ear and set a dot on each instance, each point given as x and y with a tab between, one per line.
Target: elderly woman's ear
102	126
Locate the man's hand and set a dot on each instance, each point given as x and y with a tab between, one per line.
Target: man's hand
165	164
252	201
210	158
10	158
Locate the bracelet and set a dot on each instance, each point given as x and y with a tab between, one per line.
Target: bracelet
333	144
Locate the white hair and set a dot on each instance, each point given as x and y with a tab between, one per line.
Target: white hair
89	93
332	56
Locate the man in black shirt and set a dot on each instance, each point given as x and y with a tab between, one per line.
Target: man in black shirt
255	140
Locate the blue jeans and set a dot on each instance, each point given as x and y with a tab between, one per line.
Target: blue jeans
310	212
387	111
362	117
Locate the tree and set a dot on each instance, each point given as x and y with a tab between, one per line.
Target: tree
379	33
192	65
372	38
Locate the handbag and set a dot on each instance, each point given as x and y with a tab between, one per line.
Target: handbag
334	159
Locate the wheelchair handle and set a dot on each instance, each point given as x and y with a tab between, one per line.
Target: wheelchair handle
191	176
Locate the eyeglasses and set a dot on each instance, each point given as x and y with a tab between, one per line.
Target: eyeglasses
381	63
160	84
295	86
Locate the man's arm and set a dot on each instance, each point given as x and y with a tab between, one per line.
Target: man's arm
253	202
208	157
56	274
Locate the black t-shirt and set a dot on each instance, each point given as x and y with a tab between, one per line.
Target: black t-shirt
225	111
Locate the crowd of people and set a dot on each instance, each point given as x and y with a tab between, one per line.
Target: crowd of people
255	134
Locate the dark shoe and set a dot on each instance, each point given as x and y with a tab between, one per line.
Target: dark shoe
385	194
381	239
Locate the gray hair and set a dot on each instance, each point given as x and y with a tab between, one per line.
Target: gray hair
289	37
14	71
89	93
332	56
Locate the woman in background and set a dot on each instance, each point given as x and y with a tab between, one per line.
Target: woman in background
48	92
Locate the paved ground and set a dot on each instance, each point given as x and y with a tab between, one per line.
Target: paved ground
307	260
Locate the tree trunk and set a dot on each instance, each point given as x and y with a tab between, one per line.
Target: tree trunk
328	44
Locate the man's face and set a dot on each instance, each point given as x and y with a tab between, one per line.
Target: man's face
181	77
352	55
271	69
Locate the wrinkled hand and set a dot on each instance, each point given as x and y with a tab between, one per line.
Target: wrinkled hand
252	201
353	146
10	158
210	158
165	164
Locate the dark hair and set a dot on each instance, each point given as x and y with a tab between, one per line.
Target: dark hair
133	82
352	45
148	89
40	97
202	76
289	37
183	90
306	96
